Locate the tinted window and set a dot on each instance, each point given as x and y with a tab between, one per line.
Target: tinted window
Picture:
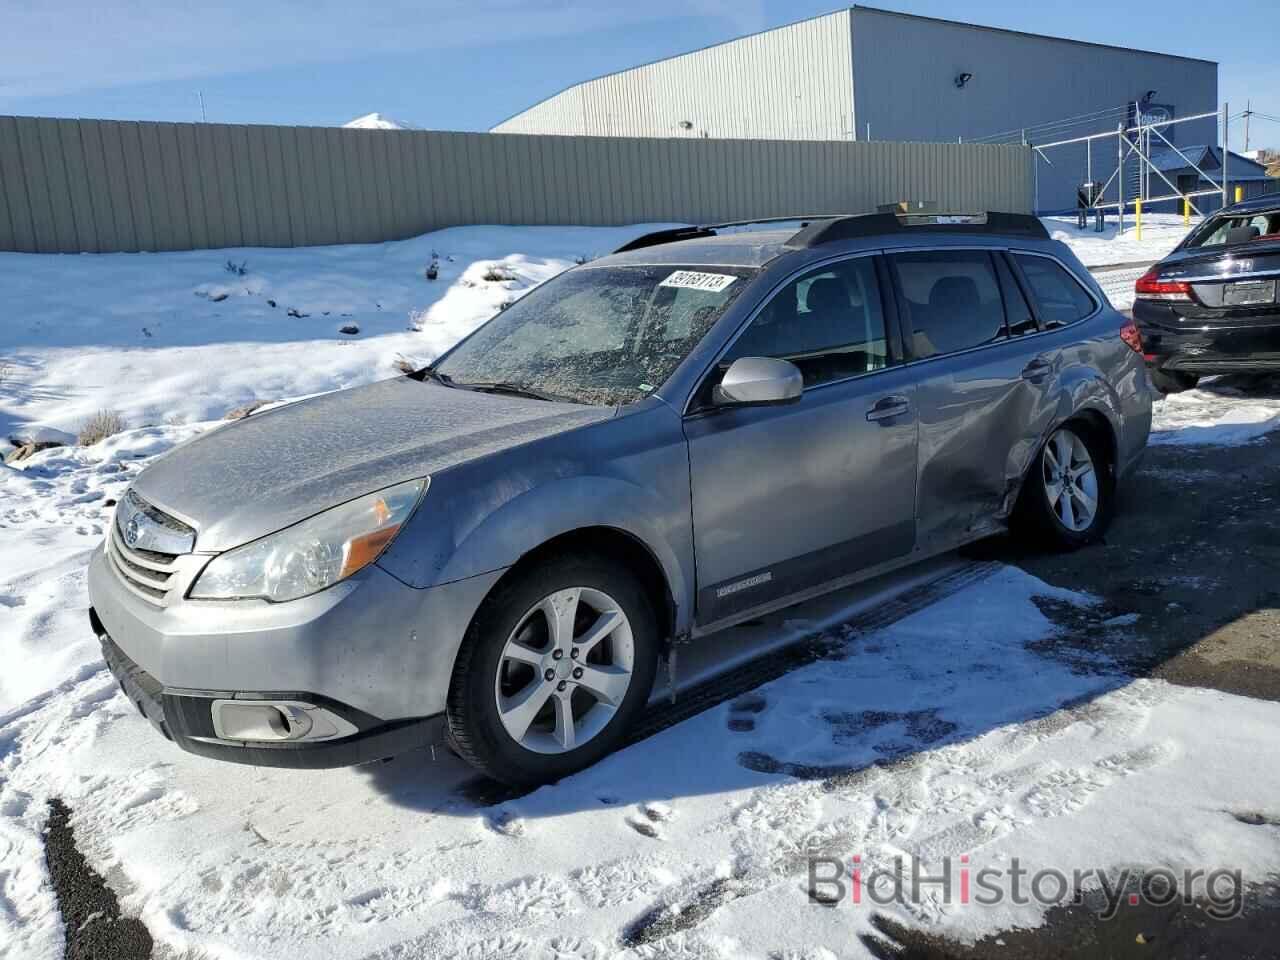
829	323
951	299
1059	295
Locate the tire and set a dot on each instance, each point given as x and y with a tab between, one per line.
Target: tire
502	670
1172	381
1043	517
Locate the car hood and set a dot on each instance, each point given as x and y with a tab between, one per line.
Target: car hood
255	476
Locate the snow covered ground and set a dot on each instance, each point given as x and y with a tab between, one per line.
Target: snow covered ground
997	754
1217	412
1161	232
993	752
165	337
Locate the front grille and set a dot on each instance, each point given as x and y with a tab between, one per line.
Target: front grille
147	574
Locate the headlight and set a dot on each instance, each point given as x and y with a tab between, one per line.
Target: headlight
313	554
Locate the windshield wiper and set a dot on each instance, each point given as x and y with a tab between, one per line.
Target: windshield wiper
511	390
429	373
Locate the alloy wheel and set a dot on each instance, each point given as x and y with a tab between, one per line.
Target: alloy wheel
1070	480
565	670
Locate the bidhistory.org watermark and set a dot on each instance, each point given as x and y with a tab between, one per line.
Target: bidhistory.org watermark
955	880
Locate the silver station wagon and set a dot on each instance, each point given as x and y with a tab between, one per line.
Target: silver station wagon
497	551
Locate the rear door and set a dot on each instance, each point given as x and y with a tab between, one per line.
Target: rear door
787	498
981	372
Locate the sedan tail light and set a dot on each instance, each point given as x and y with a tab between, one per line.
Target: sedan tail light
1131	335
1151	287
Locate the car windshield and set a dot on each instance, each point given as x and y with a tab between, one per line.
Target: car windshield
599	335
1229	231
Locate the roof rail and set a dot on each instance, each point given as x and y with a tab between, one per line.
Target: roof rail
674	234
822	228
875	224
659	237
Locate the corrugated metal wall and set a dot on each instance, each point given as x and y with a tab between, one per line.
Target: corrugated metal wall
791	83
101	186
904	81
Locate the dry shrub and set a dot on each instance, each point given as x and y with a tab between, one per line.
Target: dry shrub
103	424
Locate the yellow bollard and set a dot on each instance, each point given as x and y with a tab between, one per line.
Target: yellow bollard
1137	209
1239	194
1186	211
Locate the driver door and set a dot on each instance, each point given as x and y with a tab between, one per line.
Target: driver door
790	497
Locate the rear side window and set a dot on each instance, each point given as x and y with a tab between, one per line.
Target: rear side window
1057	293
1021	320
951	299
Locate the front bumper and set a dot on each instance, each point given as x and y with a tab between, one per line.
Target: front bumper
185	718
1173	342
371	651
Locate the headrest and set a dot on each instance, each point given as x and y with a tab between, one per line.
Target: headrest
826	295
957	293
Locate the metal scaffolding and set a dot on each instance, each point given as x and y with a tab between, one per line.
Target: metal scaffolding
1137	140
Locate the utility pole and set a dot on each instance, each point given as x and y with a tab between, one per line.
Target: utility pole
203	117
1120	142
1248	111
1226	150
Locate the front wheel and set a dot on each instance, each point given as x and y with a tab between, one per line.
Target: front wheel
1067	497
553	671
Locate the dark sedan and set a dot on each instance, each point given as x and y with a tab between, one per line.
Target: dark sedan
1210	307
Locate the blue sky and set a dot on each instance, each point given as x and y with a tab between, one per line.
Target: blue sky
467	66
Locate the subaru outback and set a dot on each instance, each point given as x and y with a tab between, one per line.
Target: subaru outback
498	550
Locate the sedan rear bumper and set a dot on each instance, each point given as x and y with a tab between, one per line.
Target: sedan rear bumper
1172	342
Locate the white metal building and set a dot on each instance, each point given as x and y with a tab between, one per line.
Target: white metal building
863	73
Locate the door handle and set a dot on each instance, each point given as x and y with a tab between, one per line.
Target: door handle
1037	369
889	407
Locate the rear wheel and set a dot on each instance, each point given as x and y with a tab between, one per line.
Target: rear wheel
553	670
1173	381
1067	497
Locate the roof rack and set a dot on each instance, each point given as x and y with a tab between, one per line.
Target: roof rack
876	224
831	227
674	234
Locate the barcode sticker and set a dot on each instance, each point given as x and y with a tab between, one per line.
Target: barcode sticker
714	282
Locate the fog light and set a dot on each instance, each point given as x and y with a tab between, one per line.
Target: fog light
276	720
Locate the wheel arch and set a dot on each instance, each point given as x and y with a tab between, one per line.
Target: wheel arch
1100	427
1091	419
610	541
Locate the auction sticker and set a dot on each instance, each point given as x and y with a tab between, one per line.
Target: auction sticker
694	280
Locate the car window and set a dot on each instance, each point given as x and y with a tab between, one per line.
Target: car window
951	299
1058	294
1221	231
1019	318
598	334
829	323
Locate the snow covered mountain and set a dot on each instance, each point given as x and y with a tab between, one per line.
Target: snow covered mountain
378	121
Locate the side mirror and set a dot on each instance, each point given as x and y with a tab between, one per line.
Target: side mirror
752	381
